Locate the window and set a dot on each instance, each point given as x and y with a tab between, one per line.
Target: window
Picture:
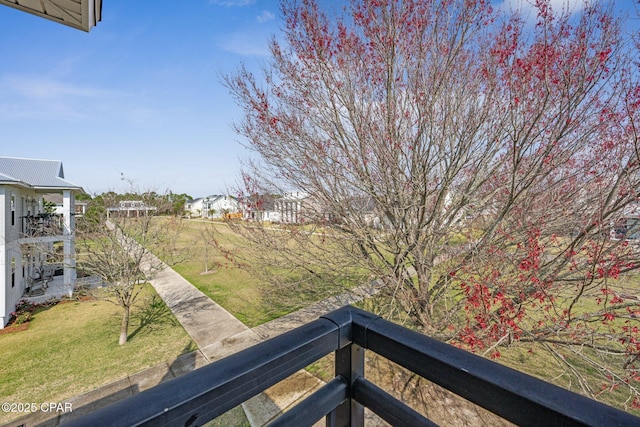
13	272
13	210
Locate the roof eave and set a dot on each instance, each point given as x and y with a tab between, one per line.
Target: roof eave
57	188
42	187
91	13
16	184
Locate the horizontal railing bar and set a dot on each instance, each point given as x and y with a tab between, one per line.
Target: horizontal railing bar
387	407
515	396
212	390
314	407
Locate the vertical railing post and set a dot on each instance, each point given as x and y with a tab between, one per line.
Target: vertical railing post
350	365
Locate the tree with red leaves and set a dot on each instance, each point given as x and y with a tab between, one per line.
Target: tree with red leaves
471	161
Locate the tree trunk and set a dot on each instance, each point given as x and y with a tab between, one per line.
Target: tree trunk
124	325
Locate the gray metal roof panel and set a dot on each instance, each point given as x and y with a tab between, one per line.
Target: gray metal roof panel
7	178
35	173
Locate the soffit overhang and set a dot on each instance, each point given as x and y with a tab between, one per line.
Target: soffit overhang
80	14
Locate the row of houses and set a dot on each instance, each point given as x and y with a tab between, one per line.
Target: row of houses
287	208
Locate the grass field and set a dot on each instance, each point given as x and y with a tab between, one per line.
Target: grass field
217	277
233	287
72	347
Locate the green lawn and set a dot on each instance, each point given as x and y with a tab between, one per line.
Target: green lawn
72	347
234	287
217	277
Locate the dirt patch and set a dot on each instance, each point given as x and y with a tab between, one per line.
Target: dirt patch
14	328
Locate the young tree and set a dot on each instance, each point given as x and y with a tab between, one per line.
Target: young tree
472	161
117	243
208	236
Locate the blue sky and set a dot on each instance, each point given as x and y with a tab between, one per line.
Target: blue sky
139	96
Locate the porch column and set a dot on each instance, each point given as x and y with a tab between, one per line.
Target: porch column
68	211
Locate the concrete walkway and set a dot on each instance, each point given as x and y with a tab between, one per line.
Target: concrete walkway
205	321
218	334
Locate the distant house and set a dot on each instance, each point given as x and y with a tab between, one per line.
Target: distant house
628	225
218	206
57	199
215	206
194	207
130	208
294	207
260	207
28	233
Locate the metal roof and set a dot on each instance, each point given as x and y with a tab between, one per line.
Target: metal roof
80	14
39	174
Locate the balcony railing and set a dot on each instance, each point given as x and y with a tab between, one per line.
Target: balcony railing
42	225
210	391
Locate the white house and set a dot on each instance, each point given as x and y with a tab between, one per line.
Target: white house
28	233
260	208
292	207
194	207
215	206
129	208
218	206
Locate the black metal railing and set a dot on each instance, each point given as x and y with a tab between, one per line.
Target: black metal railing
212	390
